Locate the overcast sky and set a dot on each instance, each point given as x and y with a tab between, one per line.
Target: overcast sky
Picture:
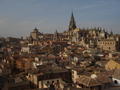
19	17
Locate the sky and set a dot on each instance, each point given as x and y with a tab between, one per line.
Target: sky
19	17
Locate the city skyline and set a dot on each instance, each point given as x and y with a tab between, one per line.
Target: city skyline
18	18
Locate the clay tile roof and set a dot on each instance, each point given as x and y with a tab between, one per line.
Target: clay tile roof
103	78
88	81
100	79
111	65
116	74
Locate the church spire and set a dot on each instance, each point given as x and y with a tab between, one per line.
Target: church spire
111	33
72	24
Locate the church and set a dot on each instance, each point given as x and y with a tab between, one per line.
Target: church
96	37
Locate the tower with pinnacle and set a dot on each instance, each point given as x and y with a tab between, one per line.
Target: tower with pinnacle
72	23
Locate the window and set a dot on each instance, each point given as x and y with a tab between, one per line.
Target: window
52	81
48	82
57	80
116	82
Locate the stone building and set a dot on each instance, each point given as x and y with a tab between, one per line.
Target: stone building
46	75
95	37
35	34
107	44
89	36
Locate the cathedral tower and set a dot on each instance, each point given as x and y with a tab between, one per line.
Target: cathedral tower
72	24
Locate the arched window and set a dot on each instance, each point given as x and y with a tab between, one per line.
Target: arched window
116	82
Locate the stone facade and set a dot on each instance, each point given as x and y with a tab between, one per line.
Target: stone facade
107	44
